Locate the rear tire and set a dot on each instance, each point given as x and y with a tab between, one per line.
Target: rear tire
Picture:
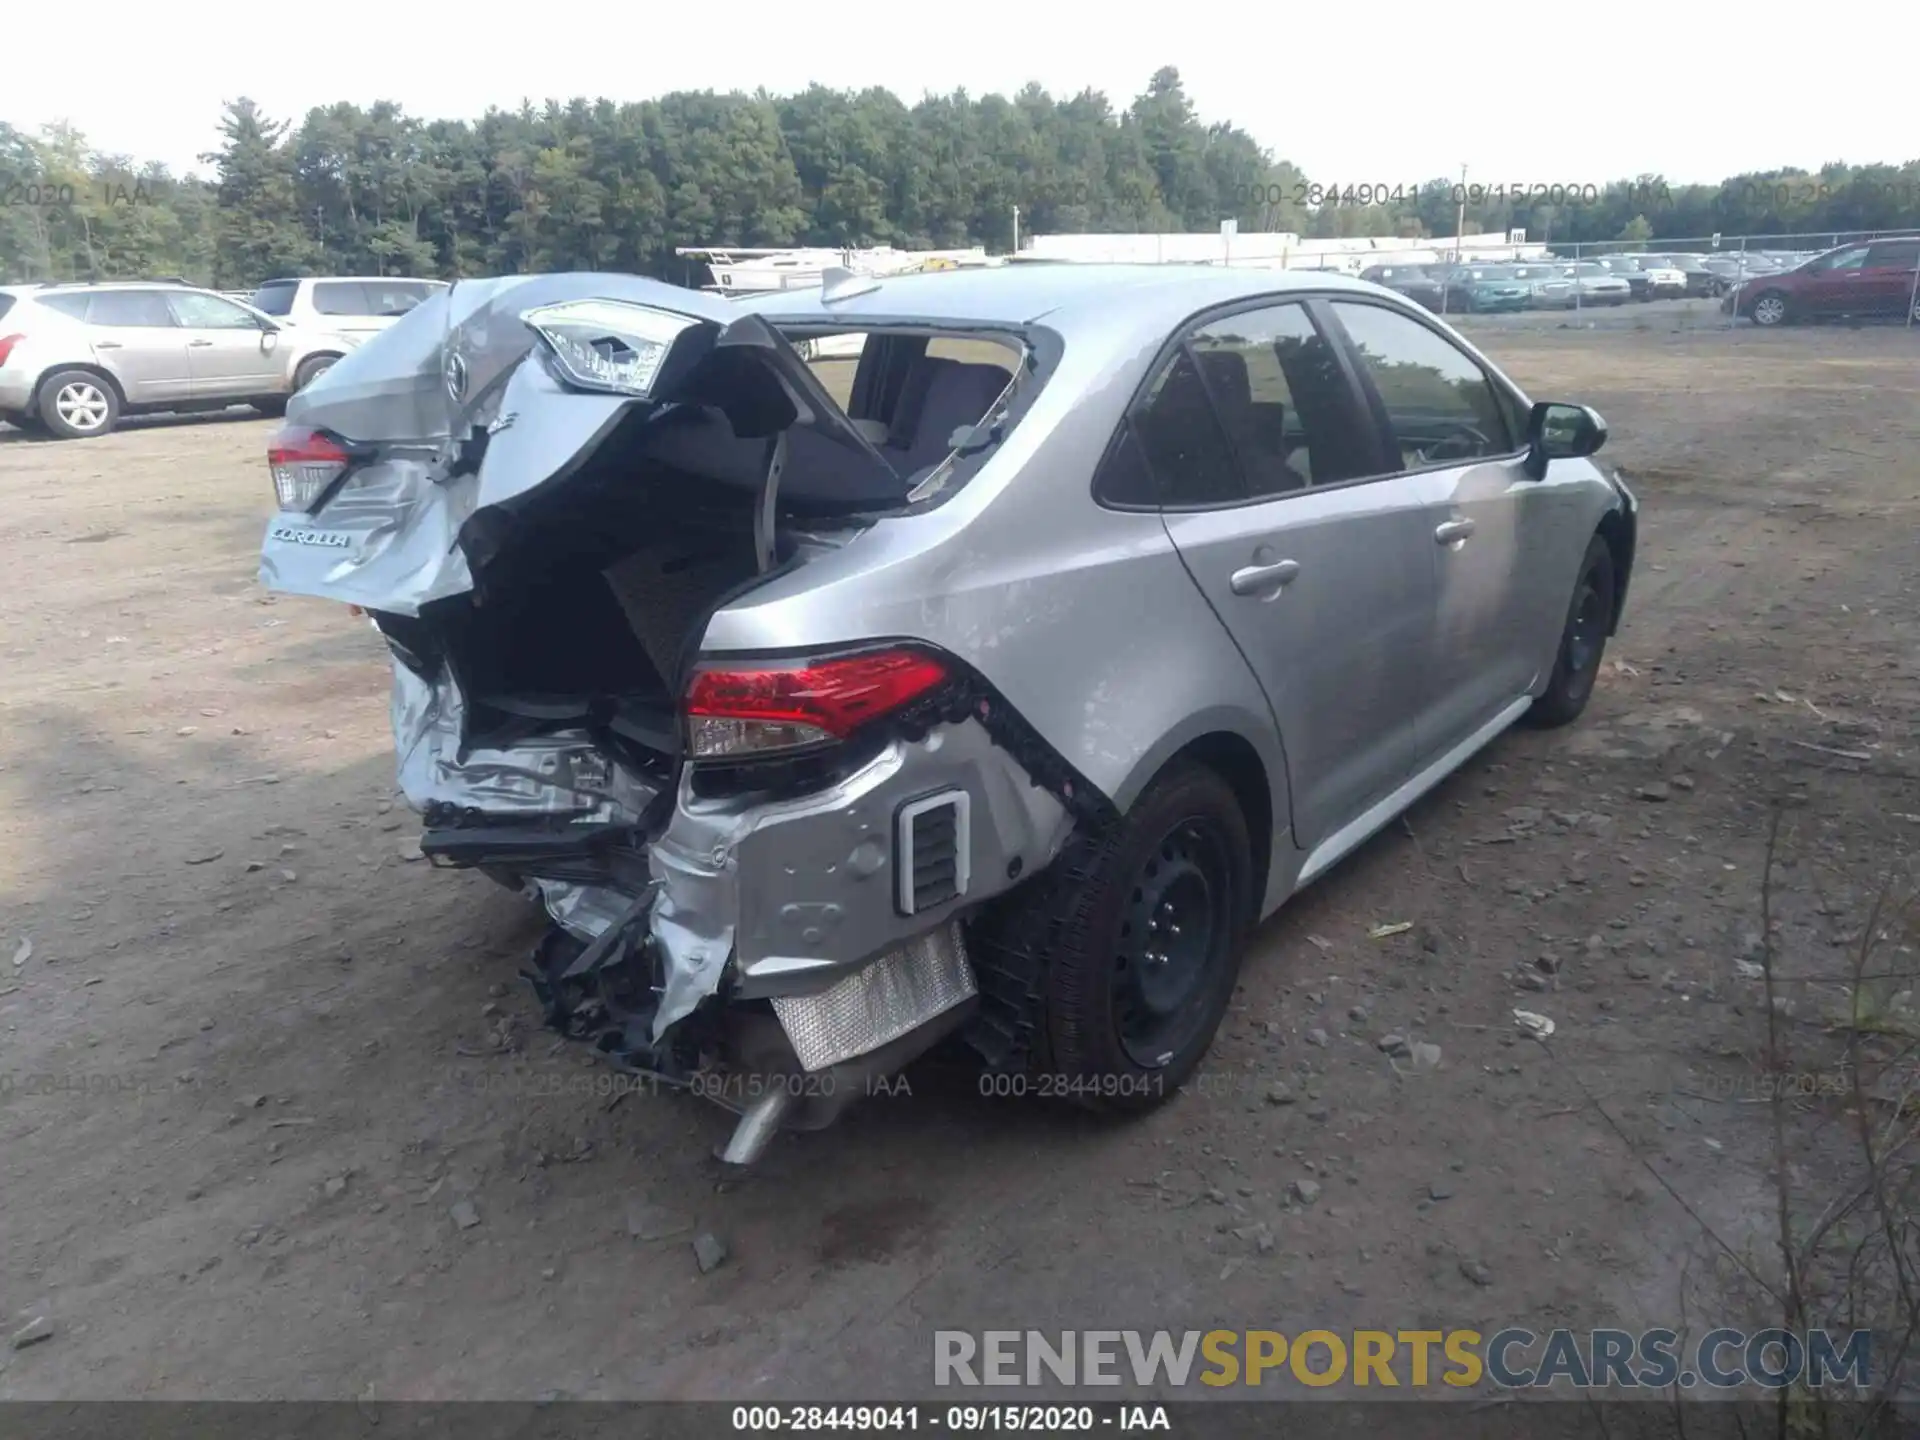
1583	642
1143	925
78	405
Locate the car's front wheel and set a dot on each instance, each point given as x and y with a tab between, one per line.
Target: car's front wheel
1141	924
78	405
1770	309
1583	642
311	370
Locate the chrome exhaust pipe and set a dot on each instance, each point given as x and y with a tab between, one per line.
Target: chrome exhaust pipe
759	1123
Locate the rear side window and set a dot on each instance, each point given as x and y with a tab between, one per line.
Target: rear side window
342	297
71	305
1891	255
390	297
276	298
1441	405
143	308
1182	442
1283	399
6	304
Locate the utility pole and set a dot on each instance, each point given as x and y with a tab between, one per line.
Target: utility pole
1460	221
1459	233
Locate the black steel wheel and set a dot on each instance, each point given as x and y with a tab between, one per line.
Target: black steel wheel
1583	641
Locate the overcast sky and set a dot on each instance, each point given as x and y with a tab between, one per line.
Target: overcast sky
1354	92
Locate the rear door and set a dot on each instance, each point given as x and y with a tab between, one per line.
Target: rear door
1270	477
133	334
229	356
1889	280
1492	536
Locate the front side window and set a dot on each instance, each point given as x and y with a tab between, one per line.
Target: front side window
210	312
1440	403
1846	260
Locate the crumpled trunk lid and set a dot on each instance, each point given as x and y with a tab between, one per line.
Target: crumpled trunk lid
458	418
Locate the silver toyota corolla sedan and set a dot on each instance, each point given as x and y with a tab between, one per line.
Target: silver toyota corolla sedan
983	683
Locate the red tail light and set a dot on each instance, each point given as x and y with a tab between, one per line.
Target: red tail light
304	463
7	342
743	712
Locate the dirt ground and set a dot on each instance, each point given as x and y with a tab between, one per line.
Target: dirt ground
256	1058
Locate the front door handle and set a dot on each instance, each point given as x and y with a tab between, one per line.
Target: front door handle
1453	532
1257	579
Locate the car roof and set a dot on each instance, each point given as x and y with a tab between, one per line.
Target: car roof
310	279
1067	294
52	287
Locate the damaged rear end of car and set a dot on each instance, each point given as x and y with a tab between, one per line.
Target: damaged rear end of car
542	490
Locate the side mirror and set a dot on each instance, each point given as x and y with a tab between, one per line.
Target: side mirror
1561	432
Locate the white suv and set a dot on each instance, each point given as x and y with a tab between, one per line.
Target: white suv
345	308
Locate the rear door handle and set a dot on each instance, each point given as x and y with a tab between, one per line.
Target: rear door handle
106	344
193	343
1453	532
1257	579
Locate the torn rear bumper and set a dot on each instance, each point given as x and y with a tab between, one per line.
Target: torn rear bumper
833	913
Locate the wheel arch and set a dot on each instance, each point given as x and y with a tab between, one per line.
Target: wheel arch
88	367
327	354
1251	759
1618	529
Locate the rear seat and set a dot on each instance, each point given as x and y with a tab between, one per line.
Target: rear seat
940	397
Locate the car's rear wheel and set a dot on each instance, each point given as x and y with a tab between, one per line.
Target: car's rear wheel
1142	923
1583	642
78	405
1770	309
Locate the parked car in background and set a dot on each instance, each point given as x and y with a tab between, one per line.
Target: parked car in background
1484	289
1695	275
1871	280
1548	287
1649	277
1595	284
75	358
1412	281
350	307
780	706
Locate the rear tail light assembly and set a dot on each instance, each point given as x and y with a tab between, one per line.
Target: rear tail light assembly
306	464
7	342
741	713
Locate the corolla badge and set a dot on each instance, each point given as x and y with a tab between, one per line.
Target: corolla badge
454	372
